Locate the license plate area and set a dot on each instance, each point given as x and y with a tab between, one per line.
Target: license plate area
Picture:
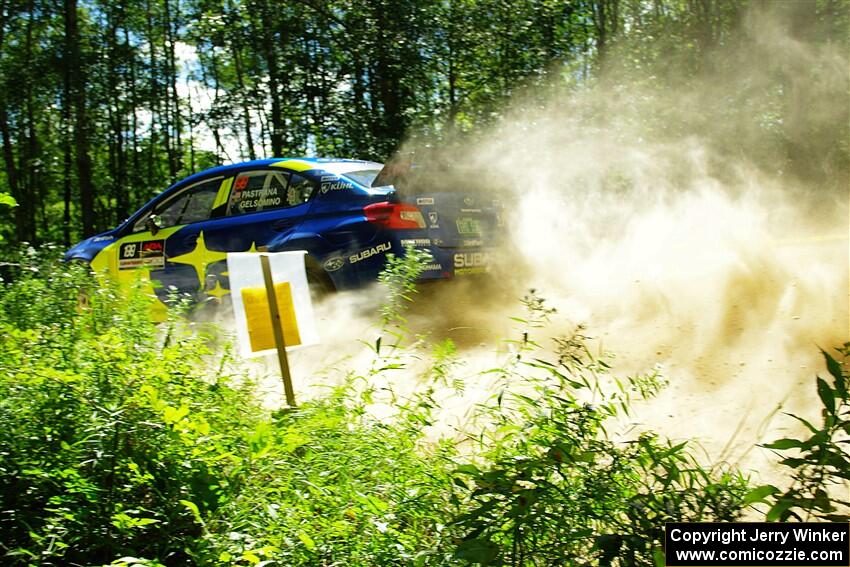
468	226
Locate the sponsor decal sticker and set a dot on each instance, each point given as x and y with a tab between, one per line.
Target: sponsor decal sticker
334	186
416	242
148	254
471	271
431	267
333	264
369	252
251	204
152	249
471	262
241	182
424	201
468	201
101	238
328	178
432	216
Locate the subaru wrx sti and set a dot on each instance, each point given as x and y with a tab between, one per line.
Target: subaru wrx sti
342	212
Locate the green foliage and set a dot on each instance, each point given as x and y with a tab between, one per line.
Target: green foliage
127	443
329	484
819	460
399	278
105	430
8	200
556	486
121	443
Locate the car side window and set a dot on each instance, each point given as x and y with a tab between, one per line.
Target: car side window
300	190
255	191
192	205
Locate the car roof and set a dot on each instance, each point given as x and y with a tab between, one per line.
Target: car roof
335	165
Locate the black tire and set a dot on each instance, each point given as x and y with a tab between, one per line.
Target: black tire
321	286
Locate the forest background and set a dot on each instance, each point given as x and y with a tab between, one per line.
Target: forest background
103	104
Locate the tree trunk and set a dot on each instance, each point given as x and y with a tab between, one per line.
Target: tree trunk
606	21
246	114
33	162
219	149
152	169
12	173
276	128
8	151
133	176
175	154
28	150
386	84
67	151
78	101
168	123
113	110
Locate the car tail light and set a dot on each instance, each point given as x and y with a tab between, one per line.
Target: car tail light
394	215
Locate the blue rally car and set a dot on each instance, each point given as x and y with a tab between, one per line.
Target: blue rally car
342	212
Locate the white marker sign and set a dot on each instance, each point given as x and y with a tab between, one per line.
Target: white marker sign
251	309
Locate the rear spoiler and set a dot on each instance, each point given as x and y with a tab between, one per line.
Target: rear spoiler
392	172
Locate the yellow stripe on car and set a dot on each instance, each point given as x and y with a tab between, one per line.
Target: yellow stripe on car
295	164
223	193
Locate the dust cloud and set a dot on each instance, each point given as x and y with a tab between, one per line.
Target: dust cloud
690	224
699	224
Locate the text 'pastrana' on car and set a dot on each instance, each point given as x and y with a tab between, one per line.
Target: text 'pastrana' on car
346	214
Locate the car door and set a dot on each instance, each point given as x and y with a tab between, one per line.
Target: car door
164	248
263	207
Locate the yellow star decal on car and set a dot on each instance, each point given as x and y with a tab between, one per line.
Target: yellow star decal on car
218	292
199	258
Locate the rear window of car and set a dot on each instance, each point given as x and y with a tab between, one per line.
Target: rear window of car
363	177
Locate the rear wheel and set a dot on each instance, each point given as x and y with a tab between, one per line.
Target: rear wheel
320	284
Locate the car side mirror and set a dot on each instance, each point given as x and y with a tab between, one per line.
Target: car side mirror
152	224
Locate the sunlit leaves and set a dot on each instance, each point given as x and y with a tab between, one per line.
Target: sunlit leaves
820	462
7	200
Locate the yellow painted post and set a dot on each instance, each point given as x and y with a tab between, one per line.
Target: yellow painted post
277	328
